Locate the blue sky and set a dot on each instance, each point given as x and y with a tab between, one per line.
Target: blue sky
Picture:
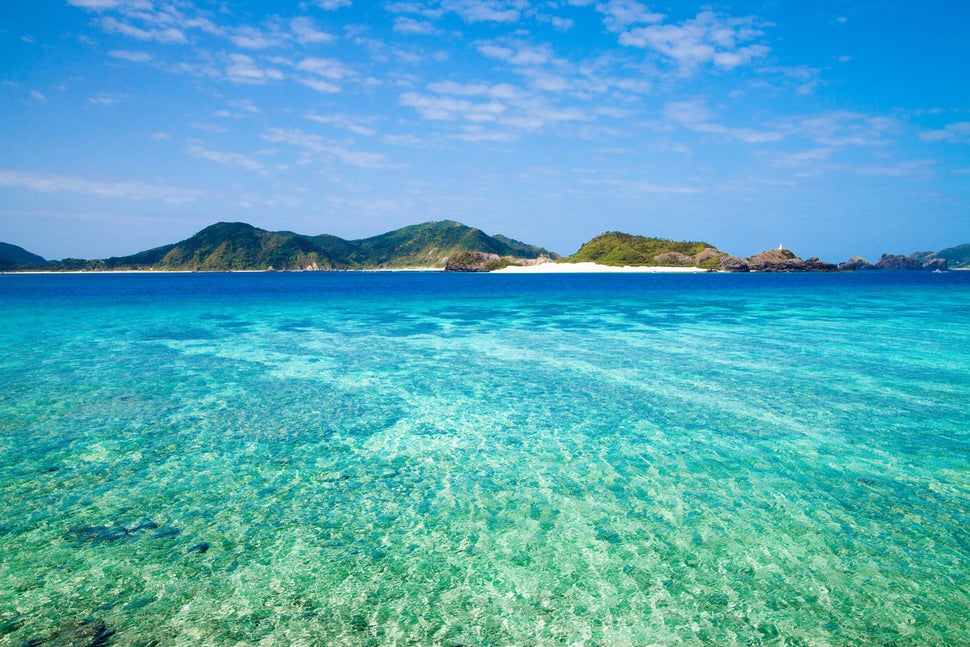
835	128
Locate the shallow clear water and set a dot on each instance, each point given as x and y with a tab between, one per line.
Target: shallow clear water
374	458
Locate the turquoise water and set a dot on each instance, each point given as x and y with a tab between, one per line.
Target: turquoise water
432	459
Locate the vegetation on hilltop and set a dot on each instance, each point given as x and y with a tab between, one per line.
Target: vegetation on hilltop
956	257
619	249
228	246
427	244
12	257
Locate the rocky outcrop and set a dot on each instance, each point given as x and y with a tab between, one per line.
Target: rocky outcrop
734	264
472	262
898	262
709	254
855	264
485	262
936	264
673	259
784	260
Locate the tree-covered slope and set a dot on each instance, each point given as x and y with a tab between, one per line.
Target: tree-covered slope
430	243
238	246
12	256
227	246
618	249
956	257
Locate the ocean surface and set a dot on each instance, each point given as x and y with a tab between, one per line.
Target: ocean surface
449	459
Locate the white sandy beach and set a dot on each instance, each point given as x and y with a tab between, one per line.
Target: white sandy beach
582	268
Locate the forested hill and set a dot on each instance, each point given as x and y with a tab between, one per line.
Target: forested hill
229	246
618	249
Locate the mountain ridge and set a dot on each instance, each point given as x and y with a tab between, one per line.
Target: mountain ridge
233	246
450	245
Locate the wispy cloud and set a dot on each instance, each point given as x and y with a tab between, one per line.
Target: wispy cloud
694	115
518	54
251	38
327	68
232	160
621	14
414	7
501	11
331	5
106	100
243	69
449	108
840	129
96	5
307	32
706	38
952	133
405	25
54	183
164	35
352	124
316	147
128	55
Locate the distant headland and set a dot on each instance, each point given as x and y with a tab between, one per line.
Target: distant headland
451	246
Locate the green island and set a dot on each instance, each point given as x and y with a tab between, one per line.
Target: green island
450	246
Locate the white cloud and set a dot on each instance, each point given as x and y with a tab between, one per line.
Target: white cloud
37	95
502	11
96	5
693	115
243	69
416	8
127	55
517	53
344	122
900	169
245	105
952	133
620	14
502	91
233	160
840	129
707	38
328	68
332	5
405	25
480	134
250	38
442	108
105	100
320	85
54	183
306	31
164	35
316	145
639	186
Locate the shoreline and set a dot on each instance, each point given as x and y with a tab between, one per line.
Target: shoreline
541	268
596	268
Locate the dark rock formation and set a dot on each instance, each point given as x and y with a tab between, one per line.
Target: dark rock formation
734	264
473	262
674	259
898	262
484	262
936	264
855	264
784	260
